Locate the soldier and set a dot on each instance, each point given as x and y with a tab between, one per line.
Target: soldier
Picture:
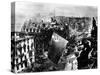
71	57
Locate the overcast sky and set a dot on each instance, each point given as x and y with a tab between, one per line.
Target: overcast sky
25	10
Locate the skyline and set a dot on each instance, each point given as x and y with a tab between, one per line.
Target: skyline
26	10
